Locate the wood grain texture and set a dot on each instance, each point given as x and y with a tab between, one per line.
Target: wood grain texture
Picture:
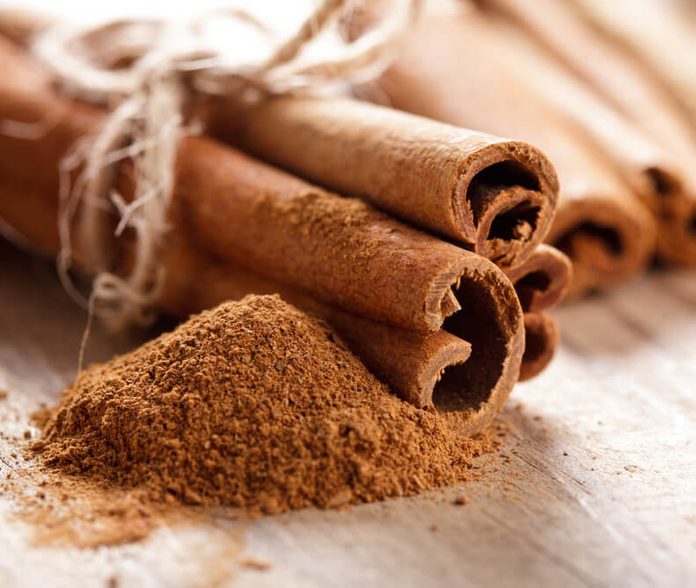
594	487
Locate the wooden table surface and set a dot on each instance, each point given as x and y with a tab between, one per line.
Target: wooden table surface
596	486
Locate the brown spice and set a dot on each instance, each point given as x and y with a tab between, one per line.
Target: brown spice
73	511
252	404
255	564
88	517
4	394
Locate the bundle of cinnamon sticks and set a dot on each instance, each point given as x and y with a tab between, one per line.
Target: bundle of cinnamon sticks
428	263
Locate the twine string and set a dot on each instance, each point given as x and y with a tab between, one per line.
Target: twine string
145	71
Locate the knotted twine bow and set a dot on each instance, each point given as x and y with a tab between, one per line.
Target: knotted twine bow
167	63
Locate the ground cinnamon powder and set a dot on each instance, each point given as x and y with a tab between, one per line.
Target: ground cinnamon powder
252	404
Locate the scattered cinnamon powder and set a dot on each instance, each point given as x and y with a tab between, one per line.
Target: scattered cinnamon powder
4	394
252	404
255	564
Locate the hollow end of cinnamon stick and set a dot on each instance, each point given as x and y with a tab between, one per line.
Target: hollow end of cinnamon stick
509	202
676	240
543	280
412	364
541	341
491	321
607	240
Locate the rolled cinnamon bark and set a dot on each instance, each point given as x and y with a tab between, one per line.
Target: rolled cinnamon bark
600	225
495	196
334	249
541	341
662	177
542	281
677	219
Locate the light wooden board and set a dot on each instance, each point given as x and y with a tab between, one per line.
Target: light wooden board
596	487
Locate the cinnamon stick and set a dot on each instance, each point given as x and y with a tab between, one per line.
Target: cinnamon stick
495	196
543	280
600	225
540	282
541	342
338	251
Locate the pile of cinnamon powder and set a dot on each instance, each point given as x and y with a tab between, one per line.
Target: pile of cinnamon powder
252	404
